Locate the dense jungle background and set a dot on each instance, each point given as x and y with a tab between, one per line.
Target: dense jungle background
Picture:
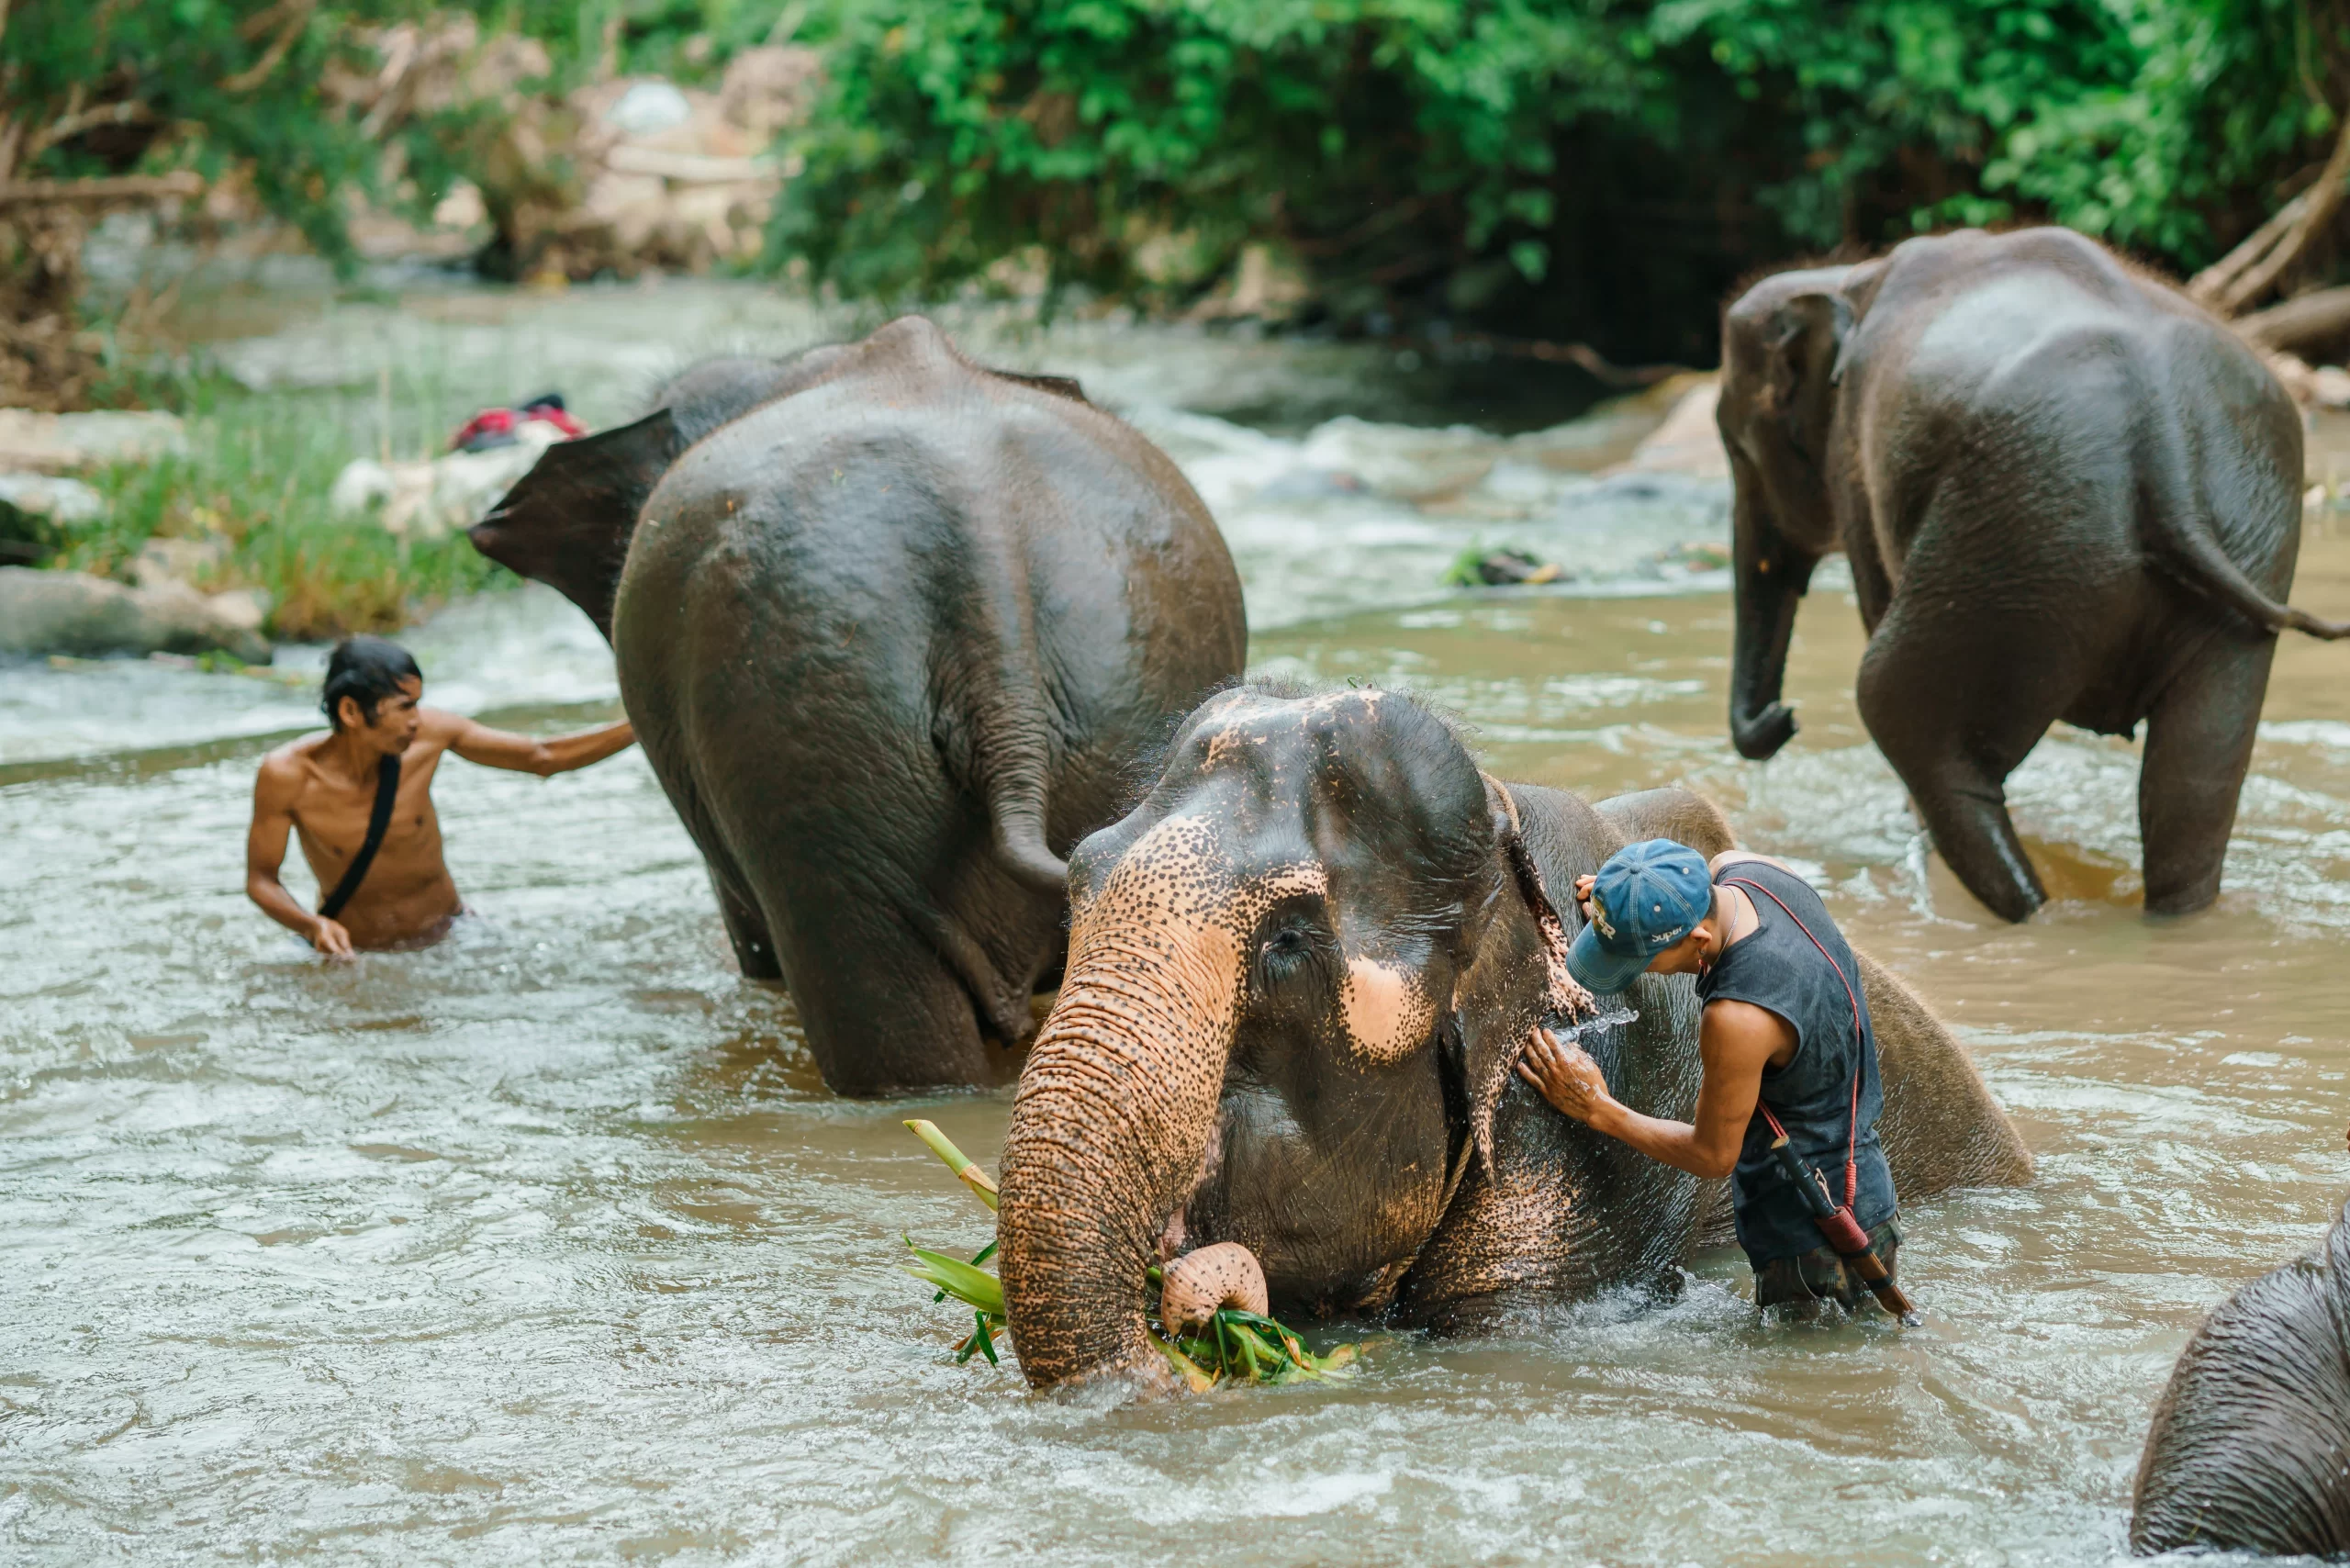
1552	174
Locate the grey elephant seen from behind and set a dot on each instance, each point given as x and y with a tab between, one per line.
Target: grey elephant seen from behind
1301	972
892	628
2065	491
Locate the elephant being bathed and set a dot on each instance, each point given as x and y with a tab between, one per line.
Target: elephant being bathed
1300	975
892	628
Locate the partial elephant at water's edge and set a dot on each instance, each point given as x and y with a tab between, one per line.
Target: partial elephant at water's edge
1301	972
2250	1447
893	629
2066	492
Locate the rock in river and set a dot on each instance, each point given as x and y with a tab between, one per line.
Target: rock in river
71	613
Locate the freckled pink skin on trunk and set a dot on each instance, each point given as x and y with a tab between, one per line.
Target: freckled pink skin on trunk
1115	1106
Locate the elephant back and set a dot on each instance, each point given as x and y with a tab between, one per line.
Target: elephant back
2250	1445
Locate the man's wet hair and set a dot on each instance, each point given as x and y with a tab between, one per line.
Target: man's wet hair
367	670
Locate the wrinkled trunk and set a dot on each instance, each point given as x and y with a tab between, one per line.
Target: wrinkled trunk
1113	1112
1771	577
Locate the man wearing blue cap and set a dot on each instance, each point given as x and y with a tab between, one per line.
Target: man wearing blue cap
1786	1047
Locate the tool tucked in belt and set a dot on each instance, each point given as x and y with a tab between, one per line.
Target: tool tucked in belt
1843	1232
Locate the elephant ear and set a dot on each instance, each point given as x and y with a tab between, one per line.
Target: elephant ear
1803	344
568	521
1517	978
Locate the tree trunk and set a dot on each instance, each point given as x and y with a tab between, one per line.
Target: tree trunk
2310	326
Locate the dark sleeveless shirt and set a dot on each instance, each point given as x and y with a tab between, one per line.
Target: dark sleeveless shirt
1776	967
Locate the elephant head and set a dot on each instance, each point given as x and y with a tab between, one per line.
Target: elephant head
1299	973
1783	347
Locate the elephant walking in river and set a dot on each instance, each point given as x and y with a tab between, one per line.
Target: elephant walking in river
893	629
2065	491
2250	1448
1301	972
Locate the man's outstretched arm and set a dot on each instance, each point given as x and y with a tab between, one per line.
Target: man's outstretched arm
274	796
526	754
1736	1040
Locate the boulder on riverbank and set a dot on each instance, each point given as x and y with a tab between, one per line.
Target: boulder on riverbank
72	613
37	443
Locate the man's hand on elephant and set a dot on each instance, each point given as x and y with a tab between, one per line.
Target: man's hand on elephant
1583	892
1564	1075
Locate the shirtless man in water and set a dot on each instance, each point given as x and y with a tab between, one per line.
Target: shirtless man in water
324	788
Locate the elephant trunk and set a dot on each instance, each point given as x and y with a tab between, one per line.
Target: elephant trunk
1112	1116
1771	577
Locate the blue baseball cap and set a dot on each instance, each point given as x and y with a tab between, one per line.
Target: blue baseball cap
1649	896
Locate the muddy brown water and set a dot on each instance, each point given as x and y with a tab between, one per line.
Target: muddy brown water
548	1244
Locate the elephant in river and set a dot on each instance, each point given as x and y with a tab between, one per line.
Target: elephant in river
2065	491
892	628
2250	1449
1300	974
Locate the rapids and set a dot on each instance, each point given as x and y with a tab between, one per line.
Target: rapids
547	1243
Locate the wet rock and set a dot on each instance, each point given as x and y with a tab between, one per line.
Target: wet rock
1267	286
71	613
1688	443
164	560
58	443
47	495
1501	568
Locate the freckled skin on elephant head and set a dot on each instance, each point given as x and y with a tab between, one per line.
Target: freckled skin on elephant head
1300	973
892	628
2250	1447
2065	491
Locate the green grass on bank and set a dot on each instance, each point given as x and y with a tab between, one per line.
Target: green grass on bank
254	479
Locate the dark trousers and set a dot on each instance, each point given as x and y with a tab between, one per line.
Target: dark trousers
1795	1287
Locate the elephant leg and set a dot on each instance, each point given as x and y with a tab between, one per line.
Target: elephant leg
1955	721
2198	744
747	930
881	1010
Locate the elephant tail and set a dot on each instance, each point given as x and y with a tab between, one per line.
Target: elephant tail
1018	816
2185	540
998	739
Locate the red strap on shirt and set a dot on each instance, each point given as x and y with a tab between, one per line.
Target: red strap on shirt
1860	1046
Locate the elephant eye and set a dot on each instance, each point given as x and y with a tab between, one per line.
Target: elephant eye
1285	952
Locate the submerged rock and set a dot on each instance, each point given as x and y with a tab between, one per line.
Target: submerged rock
72	613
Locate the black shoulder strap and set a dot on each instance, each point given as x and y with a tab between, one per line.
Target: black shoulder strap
388	784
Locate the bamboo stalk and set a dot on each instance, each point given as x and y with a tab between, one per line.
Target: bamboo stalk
966	1170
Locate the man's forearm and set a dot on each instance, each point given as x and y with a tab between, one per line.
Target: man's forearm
564	753
280	905
1673	1143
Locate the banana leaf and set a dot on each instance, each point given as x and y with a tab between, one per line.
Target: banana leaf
974	1287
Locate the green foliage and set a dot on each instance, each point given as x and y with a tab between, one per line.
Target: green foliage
1617	153
97	89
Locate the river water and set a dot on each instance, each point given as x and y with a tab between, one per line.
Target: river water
548	1243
